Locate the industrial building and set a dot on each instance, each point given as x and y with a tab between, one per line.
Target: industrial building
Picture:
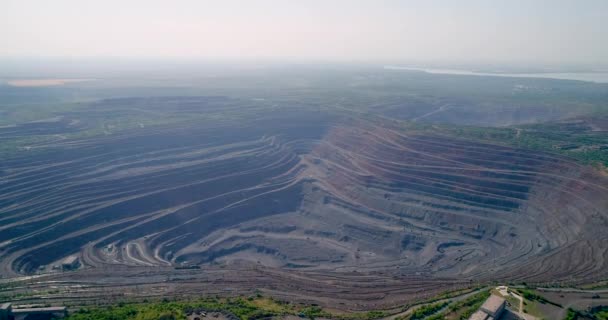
8	313
491	309
5	311
70	263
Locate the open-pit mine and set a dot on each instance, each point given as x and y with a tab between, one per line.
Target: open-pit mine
301	202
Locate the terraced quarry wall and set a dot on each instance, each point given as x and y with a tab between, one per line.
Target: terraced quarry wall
306	191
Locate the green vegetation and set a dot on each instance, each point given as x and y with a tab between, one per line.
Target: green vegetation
529	295
242	308
453	293
439	316
595	313
465	308
596	285
425	311
601	312
572	139
20	113
313	312
257	307
572	314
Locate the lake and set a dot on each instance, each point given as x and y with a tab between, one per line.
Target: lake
600	76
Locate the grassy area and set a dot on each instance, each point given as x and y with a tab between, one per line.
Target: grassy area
425	311
12	114
465	308
601	313
532	302
510	299
531	296
252	308
572	314
258	306
244	308
453	293
595	313
532	308
575	141
570	140
596	285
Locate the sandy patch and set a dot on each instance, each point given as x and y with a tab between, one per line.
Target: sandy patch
43	82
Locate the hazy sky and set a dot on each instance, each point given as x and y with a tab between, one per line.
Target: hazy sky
551	31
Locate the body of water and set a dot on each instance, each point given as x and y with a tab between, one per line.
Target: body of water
600	77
